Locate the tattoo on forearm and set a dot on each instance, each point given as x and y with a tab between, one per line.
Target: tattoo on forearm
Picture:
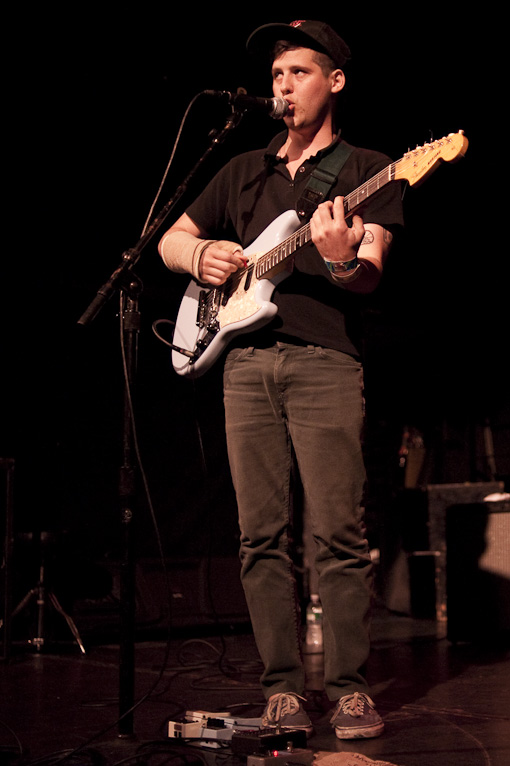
369	237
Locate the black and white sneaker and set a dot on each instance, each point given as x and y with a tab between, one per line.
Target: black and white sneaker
355	717
285	712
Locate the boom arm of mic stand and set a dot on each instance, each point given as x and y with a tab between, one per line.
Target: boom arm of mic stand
131	257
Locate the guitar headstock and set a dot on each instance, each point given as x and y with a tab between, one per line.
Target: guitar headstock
419	163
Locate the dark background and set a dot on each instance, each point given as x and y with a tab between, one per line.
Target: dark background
95	101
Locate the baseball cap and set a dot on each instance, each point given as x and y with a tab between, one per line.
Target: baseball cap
316	35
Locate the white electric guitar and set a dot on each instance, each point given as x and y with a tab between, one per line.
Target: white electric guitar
209	318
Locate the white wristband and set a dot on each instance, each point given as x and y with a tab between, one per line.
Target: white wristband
181	252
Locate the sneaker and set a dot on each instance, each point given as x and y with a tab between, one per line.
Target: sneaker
355	717
284	712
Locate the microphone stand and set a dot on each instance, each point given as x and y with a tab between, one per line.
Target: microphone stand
124	280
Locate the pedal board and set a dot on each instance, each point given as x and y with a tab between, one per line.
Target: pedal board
244	736
212	728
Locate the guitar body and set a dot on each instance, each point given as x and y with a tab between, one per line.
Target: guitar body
209	318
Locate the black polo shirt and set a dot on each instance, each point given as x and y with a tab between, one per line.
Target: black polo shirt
251	191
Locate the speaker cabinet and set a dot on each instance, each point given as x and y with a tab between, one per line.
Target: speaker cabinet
441	497
478	571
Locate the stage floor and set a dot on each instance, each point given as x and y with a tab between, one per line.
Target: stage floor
442	704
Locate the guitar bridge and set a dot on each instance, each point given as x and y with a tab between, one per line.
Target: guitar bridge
209	302
201	308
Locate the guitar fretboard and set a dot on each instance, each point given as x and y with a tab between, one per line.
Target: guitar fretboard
302	236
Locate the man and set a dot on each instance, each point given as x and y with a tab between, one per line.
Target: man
293	390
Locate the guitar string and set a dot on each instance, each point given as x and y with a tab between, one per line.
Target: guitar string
265	263
302	236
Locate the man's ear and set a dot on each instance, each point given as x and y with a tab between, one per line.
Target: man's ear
337	81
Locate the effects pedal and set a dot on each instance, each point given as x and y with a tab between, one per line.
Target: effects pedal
263	741
297	757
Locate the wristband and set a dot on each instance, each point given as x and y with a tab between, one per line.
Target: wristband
344	271
181	252
342	268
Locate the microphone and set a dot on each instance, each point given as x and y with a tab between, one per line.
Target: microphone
275	107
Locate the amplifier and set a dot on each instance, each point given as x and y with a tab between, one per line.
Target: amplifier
441	497
478	571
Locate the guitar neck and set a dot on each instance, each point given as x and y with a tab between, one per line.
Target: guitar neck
352	202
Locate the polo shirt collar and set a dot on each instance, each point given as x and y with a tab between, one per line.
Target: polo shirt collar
271	154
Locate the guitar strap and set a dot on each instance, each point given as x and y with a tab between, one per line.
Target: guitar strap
322	179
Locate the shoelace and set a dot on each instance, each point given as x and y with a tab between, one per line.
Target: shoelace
283	704
354	705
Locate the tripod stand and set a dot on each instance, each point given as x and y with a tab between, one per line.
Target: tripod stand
41	594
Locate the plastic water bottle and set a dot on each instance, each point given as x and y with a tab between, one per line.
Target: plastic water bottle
313	639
